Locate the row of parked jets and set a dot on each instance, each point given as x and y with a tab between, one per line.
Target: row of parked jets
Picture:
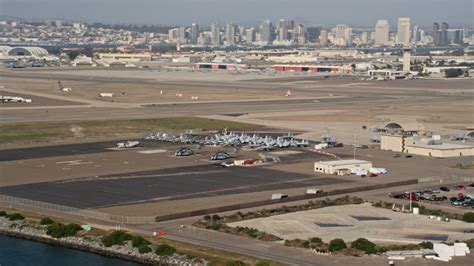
235	140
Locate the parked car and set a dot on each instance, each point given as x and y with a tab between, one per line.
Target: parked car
453	199
408	156
471	185
469	203
457	202
446	189
460	187
396	155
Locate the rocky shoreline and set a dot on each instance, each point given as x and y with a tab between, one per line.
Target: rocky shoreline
29	231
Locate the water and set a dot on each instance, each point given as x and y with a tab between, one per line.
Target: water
14	251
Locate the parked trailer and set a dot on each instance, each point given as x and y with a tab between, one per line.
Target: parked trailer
279	196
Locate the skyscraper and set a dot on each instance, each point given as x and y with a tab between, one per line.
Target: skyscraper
266	32
250	35
435	33
215	35
282	30
313	33
323	37
194	33
229	34
382	32
299	34
403	31
341	31
348	36
182	35
443	35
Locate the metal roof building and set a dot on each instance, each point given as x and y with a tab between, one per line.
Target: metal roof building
28	51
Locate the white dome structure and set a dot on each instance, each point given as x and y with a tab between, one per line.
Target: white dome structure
28	51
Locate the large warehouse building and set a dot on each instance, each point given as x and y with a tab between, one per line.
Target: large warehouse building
432	147
341	167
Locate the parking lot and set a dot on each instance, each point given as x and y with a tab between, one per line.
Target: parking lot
456	195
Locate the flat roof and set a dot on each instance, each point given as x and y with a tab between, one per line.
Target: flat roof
342	162
443	146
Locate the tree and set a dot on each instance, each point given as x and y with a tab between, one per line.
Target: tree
453	73
138	241
116	238
144	249
468	217
337	245
46	221
15	216
364	245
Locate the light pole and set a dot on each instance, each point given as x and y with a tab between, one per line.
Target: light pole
354	145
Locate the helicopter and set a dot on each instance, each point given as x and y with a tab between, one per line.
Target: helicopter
223	155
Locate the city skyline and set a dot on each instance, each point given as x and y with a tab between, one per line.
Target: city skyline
206	12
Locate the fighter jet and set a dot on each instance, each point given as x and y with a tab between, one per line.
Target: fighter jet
128	144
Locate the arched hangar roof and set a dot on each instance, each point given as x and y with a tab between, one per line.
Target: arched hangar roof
405	126
27	51
4	49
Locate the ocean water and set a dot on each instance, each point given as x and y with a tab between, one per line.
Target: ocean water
19	252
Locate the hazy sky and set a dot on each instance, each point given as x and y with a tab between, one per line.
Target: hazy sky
309	12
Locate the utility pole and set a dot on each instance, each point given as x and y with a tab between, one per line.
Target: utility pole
354	145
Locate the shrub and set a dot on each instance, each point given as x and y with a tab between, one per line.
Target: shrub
364	245
337	245
58	230
216	217
3	214
138	241
468	217
116	238
306	244
207	217
316	240
235	263
15	216
426	244
46	221
144	249
165	250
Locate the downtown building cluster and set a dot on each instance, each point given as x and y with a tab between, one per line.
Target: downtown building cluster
282	33
287	33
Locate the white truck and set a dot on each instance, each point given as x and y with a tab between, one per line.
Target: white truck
313	191
279	196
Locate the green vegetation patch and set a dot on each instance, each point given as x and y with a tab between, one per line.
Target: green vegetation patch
15	216
144	249
116	238
165	250
138	241
59	230
47	132
337	245
468	217
46	221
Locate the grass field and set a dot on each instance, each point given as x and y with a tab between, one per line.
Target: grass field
54	132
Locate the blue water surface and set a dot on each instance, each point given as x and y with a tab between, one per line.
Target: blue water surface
14	251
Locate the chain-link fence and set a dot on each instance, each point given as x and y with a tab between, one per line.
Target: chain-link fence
77	212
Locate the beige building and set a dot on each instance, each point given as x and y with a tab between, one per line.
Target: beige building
128	57
425	147
341	167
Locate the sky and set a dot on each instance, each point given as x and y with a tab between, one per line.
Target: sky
244	12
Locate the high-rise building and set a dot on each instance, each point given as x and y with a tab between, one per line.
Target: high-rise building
215	35
299	34
229	34
348	36
250	35
415	34
173	34
382	32
282	30
341	31
403	31
364	38
455	36
323	37
182	35
313	33
435	33
266	32
194	33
